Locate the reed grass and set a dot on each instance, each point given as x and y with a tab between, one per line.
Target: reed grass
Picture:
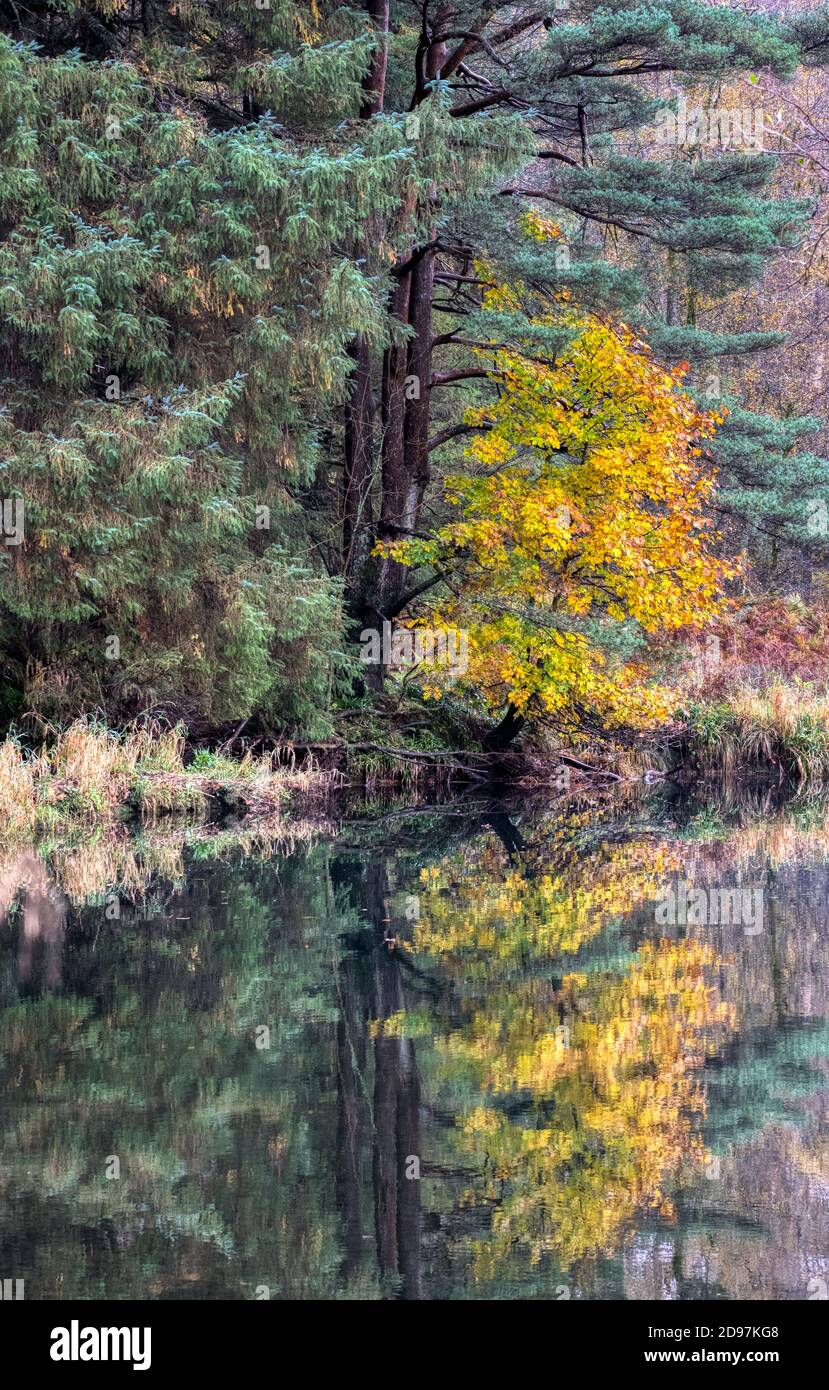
784	727
87	774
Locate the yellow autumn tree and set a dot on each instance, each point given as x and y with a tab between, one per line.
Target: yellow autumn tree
581	527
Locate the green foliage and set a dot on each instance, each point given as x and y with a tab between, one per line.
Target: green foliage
776	493
201	214
166	352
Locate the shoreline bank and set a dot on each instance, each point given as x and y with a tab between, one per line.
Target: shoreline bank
87	774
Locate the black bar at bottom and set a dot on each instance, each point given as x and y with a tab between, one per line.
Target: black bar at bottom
88	1340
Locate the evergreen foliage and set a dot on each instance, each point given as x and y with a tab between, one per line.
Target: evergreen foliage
165	355
240	254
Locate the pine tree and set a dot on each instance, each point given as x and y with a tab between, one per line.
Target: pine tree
773	493
176	304
646	230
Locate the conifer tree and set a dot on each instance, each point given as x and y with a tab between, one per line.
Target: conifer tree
177	298
579	80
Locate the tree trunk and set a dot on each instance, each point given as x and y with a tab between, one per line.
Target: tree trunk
504	733
358	462
407	372
359	444
405	412
374	82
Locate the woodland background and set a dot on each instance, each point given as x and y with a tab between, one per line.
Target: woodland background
315	317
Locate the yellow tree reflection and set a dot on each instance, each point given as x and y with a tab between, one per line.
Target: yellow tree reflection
590	1080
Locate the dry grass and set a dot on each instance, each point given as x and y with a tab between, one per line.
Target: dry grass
87	774
785	726
18	787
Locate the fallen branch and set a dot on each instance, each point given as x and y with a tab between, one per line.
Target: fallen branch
586	767
431	756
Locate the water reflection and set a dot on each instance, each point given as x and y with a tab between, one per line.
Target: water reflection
43	917
453	1054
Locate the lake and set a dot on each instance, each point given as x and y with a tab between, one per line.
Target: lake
480	1050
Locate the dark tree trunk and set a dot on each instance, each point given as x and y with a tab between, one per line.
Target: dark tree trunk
374	82
506	732
390	575
357	517
407	367
359	443
416	434
405	412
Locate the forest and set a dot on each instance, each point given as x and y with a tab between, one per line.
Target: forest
414	656
429	378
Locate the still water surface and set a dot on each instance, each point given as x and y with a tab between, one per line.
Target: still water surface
462	1053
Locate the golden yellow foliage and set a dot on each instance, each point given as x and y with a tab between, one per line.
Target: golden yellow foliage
621	1088
589	1079
585	507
